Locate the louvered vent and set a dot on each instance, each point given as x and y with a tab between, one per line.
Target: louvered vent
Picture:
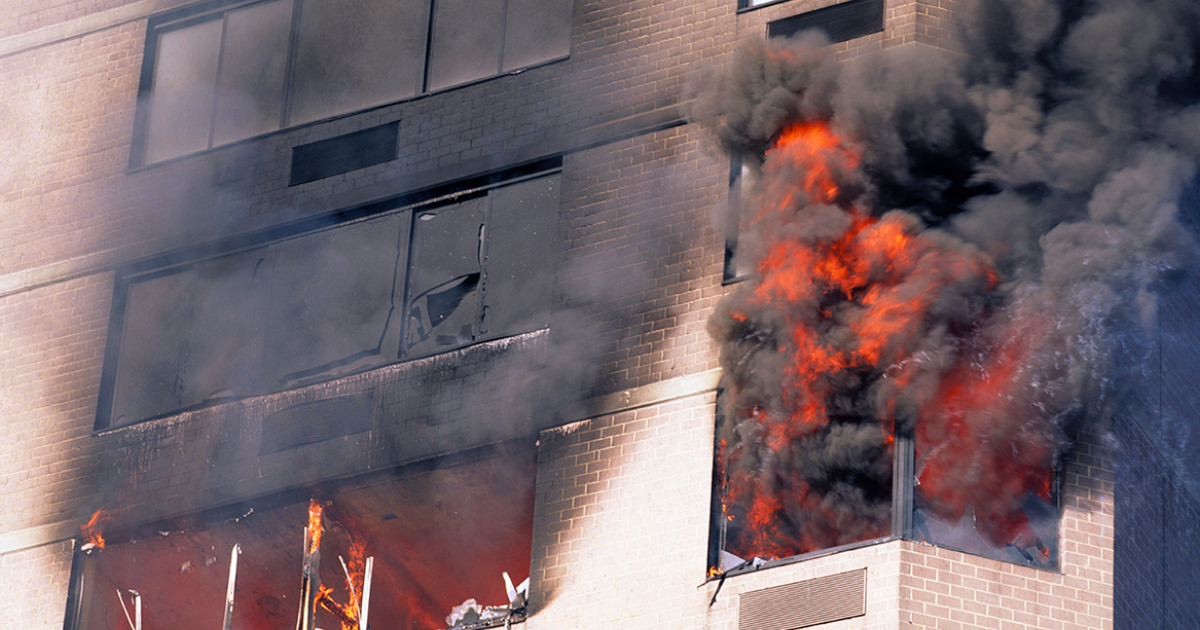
806	603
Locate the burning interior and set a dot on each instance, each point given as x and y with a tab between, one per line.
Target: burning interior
938	276
420	545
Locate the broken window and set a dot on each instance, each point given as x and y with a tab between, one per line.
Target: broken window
215	76
405	550
479	266
322	304
842	486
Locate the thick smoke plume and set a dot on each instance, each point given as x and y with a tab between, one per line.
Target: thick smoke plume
954	246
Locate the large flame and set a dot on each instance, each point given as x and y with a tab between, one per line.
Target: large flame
824	351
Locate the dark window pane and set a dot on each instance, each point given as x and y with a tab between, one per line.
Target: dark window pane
536	31
467	36
840	22
331	302
354	54
253	64
520	257
181	98
191	337
443	309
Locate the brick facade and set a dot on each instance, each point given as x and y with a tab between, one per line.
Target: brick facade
620	390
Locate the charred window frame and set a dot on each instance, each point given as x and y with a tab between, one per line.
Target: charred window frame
332	296
437	531
1029	538
222	72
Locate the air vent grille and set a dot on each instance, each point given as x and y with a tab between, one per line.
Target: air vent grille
804	604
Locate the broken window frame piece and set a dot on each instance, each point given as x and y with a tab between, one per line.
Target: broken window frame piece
510	295
193	72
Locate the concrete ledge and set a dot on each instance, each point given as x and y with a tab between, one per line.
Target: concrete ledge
85	25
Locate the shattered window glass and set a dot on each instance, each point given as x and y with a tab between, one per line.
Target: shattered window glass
998	518
335	303
481	268
328	303
448	544
443	310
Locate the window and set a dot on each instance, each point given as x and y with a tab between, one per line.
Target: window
318	304
437	534
218	75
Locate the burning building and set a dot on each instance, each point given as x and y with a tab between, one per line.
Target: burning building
735	313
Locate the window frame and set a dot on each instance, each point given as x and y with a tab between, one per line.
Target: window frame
218	10
181	261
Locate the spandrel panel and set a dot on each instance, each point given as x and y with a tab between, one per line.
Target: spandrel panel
334	301
536	31
181	98
354	54
520	257
467	38
253	66
444	278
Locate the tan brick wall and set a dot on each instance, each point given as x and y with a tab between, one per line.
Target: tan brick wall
621	520
35	586
53	347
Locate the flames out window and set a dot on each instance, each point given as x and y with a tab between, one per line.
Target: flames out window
219	75
430	538
317	305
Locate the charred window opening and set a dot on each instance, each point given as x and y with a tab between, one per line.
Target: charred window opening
467	266
830	495
442	544
222	72
856	404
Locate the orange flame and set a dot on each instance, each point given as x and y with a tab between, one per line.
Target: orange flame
873	280
93	530
314	525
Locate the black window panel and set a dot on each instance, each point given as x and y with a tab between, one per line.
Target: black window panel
468	36
181	95
326	158
519	261
840	22
355	54
253	69
334	302
536	31
316	421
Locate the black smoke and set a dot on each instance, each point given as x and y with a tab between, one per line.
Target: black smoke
1046	156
